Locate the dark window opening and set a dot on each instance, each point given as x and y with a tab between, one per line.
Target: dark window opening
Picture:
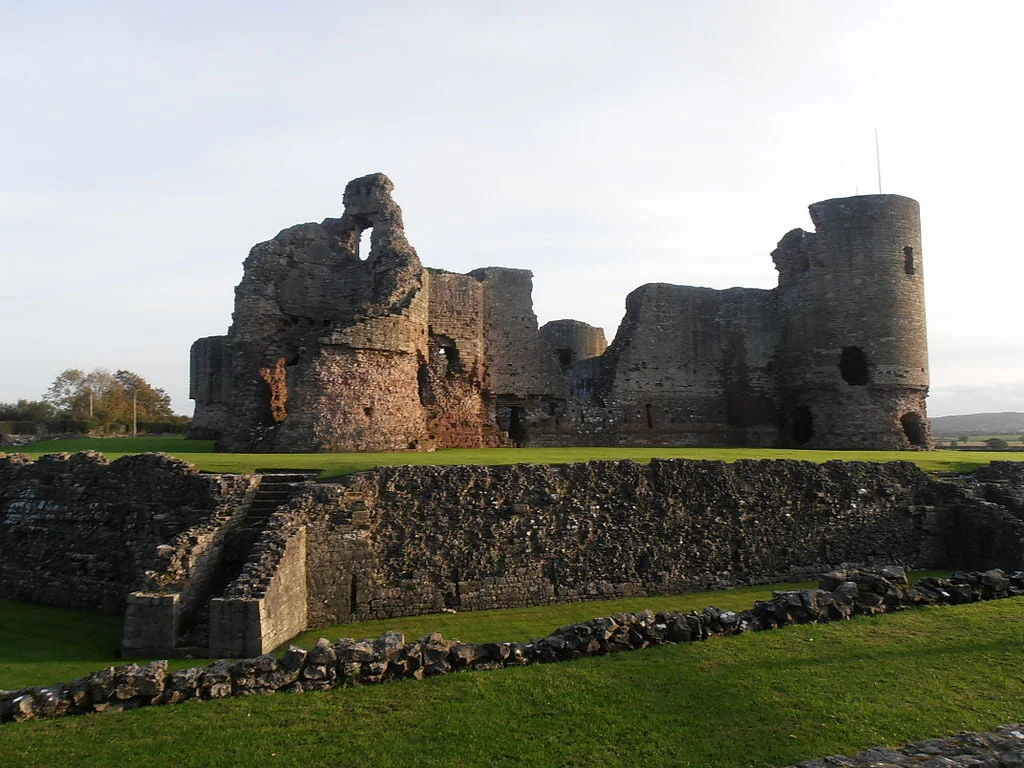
565	357
517	427
853	365
368	411
423	380
915	428
451	356
444	356
908	260
365	245
650	416
803	425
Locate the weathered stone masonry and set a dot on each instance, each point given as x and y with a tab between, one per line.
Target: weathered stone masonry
407	540
77	531
334	349
404	540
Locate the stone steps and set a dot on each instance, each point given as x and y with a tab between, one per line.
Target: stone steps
274	491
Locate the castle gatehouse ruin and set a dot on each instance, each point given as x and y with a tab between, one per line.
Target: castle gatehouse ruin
332	349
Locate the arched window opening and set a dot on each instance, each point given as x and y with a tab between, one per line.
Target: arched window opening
446	360
853	365
803	425
364	246
915	428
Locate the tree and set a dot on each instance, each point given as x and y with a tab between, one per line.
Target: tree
107	399
996	443
36	411
65	391
152	402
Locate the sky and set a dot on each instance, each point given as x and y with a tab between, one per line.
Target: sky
145	147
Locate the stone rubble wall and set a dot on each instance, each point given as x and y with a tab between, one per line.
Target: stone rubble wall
81	532
1002	748
400	541
475	538
839	596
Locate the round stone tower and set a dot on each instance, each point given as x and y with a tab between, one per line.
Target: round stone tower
574	340
853	359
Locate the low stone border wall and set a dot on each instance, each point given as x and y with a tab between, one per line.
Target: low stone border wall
840	595
1002	748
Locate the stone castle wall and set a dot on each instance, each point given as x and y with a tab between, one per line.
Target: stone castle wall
408	540
333	349
691	366
79	532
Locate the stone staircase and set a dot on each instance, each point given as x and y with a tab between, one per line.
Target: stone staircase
276	488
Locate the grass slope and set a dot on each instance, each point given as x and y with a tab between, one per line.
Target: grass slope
40	644
201	454
756	700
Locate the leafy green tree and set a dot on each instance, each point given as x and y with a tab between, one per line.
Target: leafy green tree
36	411
64	393
152	402
104	399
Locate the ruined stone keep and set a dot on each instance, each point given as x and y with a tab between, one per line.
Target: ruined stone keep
332	349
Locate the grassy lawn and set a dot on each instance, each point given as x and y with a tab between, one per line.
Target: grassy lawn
38	642
35	649
756	700
201	454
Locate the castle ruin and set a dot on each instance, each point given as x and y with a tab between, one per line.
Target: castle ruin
331	349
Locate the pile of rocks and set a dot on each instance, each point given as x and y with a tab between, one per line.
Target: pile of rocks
841	594
1003	748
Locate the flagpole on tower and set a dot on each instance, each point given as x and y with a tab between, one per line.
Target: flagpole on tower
878	162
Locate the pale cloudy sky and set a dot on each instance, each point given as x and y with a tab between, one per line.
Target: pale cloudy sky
145	147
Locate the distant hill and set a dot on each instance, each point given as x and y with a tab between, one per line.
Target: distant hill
978	424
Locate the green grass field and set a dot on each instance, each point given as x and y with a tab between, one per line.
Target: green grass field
757	700
201	454
767	699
